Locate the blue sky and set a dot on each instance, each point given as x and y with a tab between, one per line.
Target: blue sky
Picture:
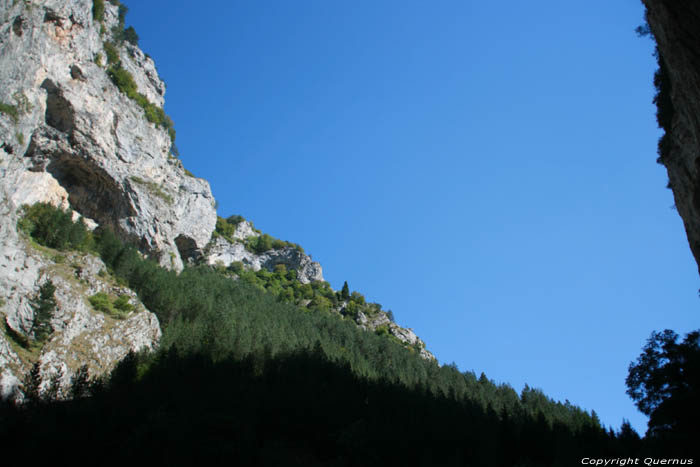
486	170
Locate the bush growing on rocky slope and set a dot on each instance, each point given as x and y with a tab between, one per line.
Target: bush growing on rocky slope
53	227
118	308
125	82
260	244
9	110
129	35
98	10
664	109
227	227
265	242
112	53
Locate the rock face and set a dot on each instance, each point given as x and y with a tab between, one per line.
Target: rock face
222	252
76	139
70	137
674	25
81	335
406	335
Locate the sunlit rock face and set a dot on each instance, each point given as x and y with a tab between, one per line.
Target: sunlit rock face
70	137
78	140
674	24
224	253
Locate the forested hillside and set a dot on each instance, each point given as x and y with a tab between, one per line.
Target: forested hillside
231	347
241	374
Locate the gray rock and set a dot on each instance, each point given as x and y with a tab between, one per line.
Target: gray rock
78	142
85	143
81	335
222	252
244	230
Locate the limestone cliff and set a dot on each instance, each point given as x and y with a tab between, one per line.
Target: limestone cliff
224	252
674	25
82	127
75	137
70	137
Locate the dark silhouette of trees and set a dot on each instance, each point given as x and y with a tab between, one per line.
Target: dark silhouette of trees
245	378
664	382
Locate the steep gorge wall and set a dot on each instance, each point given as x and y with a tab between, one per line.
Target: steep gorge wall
70	137
75	138
675	25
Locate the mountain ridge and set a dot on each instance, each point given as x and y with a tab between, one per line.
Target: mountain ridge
82	128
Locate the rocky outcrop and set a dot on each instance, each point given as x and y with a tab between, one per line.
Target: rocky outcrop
81	335
69	137
74	138
224	253
375	320
674	25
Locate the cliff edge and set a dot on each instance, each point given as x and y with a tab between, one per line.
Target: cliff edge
674	25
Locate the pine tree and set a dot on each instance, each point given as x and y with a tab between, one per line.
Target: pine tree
80	383
32	385
345	293
44	305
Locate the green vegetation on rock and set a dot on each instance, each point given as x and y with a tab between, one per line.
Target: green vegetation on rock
112	53
98	10
119	307
227	227
10	110
255	244
124	80
302	377
54	227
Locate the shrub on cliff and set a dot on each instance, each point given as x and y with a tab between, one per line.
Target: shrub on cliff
129	35
98	10
124	80
51	226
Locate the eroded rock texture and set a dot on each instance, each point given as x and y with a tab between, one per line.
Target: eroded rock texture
676	27
89	140
70	137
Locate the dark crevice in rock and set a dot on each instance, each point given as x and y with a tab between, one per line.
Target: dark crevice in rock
18	26
7	147
51	16
77	73
90	189
74	20
188	249
59	112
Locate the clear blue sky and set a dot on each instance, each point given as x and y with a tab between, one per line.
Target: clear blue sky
486	170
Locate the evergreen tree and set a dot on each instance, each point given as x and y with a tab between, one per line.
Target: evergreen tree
31	385
345	293
44	305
